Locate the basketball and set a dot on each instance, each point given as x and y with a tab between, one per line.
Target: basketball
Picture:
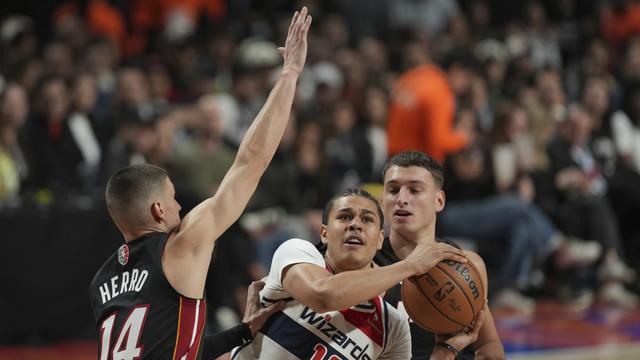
447	299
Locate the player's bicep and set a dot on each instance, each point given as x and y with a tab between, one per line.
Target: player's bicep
302	282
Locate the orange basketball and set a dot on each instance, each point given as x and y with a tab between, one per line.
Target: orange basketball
447	299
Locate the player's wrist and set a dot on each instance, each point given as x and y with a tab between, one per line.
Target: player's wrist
290	73
246	332
445	347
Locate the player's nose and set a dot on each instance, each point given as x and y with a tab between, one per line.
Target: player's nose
402	197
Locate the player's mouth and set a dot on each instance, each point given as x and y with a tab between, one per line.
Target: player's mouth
402	214
354	241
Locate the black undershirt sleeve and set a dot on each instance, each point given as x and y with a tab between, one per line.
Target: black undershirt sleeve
224	341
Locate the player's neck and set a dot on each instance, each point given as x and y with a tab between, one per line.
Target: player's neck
403	243
134	234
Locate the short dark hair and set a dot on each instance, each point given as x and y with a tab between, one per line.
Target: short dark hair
129	187
420	159
350	192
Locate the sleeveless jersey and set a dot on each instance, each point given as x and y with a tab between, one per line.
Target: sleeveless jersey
138	313
422	341
372	330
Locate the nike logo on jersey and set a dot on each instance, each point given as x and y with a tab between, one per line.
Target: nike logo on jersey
125	282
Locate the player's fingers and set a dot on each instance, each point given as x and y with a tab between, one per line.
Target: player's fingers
307	24
454	257
274	308
297	30
293	21
478	324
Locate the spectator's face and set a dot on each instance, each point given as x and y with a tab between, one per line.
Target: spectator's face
14	107
411	200
211	122
352	234
376	106
85	93
133	88
344	118
596	97
55	98
518	124
579	126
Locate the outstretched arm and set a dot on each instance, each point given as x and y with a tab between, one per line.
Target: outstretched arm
188	252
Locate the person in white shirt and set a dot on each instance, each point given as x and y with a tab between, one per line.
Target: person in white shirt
333	309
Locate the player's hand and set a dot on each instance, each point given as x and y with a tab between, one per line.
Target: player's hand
254	314
294	51
464	338
427	255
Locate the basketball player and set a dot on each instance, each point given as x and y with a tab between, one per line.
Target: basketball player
411	198
333	309
148	296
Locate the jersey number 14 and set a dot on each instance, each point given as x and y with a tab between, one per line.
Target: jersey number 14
127	345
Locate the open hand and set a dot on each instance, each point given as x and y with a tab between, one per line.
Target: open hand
294	51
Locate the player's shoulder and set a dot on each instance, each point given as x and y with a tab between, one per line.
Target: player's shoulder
296	245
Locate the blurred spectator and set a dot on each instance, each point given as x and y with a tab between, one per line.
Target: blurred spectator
206	146
14	109
523	233
429	16
584	208
64	150
422	110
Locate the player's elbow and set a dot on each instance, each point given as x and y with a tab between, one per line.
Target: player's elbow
253	156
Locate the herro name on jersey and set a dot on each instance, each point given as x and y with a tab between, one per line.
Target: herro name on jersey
120	284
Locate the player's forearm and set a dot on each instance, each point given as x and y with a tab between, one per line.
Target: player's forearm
263	136
492	350
353	287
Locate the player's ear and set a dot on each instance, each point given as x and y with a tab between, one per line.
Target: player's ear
440	200
323	233
380	239
157	212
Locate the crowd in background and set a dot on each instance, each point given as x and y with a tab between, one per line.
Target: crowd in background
533	108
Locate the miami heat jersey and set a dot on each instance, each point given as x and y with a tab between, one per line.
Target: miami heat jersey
372	330
422	341
138	313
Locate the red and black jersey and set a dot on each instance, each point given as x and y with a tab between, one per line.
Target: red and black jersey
422	341
138	313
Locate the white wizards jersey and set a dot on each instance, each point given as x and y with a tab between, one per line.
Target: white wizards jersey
372	330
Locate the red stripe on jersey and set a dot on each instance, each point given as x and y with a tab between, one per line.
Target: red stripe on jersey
369	323
191	320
